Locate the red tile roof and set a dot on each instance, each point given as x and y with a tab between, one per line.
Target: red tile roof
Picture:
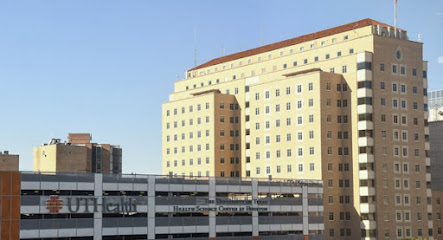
293	41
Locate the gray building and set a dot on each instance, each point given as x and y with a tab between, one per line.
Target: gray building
107	206
436	153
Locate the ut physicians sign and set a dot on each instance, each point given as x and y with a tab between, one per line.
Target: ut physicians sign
90	205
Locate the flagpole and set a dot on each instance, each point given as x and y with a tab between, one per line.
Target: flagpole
395	18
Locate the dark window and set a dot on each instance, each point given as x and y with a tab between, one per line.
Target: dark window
365	84
365	117
365	100
364	65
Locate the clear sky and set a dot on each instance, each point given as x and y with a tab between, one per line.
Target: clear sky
105	67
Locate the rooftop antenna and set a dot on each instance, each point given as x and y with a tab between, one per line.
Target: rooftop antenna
395	18
195	47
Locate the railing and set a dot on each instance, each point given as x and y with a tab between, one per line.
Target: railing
28	224
143	178
280	220
181	221
237	220
125	222
56	177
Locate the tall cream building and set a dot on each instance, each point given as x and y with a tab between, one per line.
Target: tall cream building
344	105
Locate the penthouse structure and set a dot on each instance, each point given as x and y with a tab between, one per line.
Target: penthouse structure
9	162
113	206
346	105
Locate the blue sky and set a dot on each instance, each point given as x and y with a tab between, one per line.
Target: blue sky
105	67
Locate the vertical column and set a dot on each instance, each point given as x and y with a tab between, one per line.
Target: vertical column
427	154
9	205
212	223
365	141
255	229
151	207
98	216
305	212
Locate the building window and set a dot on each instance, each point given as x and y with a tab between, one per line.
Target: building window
402	70
299	120
331	216
414	90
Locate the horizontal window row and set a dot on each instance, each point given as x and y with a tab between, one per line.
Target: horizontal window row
298	90
299	119
278	138
342	167
190	162
342	183
278	107
278	153
266	56
300	168
197	174
191	149
344	232
344	216
190	109
199	121
175	137
344	199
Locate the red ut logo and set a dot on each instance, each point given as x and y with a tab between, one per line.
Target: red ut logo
54	204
